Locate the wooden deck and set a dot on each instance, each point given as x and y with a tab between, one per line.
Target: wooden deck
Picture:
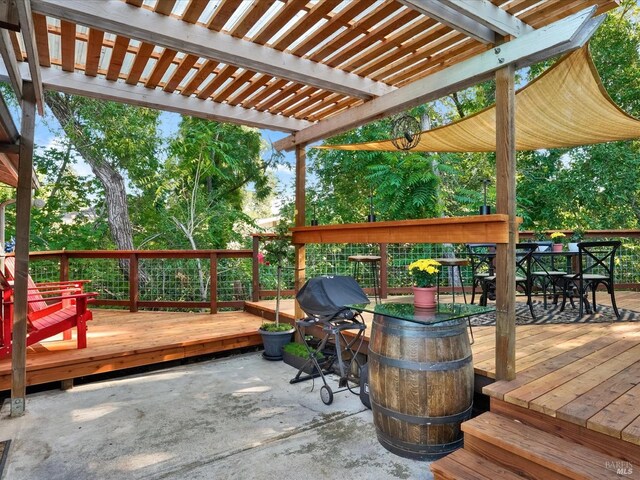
118	340
585	375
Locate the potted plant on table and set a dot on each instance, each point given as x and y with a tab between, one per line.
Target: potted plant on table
576	237
425	276
558	241
274	334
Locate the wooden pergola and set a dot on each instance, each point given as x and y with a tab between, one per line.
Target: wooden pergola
312	68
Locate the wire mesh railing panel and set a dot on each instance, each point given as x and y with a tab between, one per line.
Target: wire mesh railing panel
333	259
109	276
401	255
234	279
45	271
188	280
174	279
627	268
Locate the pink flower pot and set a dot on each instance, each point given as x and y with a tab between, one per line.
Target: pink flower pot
424	297
557	247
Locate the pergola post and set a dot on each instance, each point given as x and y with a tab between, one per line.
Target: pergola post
23	217
506	204
300	266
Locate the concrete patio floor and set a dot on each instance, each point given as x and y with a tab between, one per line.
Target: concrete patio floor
232	418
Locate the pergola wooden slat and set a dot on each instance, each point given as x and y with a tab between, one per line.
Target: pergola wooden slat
311	69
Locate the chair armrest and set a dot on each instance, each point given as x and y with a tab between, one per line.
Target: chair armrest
76	290
55	289
63	297
67	282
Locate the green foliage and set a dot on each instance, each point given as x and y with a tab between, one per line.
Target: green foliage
577	235
210	167
595	186
403	185
299	350
279	248
275	327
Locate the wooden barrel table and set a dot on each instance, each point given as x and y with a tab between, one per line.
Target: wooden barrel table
420	385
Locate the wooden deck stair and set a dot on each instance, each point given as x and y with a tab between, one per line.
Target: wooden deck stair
496	446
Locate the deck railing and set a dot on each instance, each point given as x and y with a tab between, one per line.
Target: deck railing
332	259
134	279
222	279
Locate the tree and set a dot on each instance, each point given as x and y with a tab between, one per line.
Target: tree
119	142
595	186
404	185
210	168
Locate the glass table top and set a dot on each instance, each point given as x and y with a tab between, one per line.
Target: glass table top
405	310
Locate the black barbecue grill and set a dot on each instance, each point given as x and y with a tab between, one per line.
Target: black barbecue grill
324	300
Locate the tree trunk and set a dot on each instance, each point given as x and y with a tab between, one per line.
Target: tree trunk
111	180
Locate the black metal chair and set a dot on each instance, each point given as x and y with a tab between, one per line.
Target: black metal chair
523	278
544	271
597	262
481	256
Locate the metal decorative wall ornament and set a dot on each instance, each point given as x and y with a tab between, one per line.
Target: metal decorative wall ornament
405	132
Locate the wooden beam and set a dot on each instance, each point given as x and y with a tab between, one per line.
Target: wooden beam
144	25
444	14
301	173
23	217
9	58
559	37
13	148
471	229
11	164
491	16
97	87
506	205
9	15
29	39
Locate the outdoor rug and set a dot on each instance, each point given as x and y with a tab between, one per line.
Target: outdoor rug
552	314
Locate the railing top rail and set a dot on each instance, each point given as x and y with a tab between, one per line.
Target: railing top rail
143	253
630	233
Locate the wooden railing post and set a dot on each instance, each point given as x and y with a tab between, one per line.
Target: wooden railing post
384	273
64	267
134	293
255	279
213	271
300	215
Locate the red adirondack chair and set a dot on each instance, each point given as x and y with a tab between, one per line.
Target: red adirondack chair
53	308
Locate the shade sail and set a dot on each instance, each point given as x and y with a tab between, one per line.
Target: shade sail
567	106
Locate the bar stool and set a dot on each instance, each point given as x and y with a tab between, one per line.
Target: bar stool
373	261
452	263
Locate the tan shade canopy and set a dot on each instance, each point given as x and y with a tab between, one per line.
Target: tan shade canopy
567	106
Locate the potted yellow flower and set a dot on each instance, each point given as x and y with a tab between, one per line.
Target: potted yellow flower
558	241
425	275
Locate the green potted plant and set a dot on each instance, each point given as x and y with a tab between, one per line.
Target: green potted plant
558	239
576	237
297	355
425	275
274	334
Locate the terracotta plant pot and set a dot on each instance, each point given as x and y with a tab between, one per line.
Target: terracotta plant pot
424	297
557	247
